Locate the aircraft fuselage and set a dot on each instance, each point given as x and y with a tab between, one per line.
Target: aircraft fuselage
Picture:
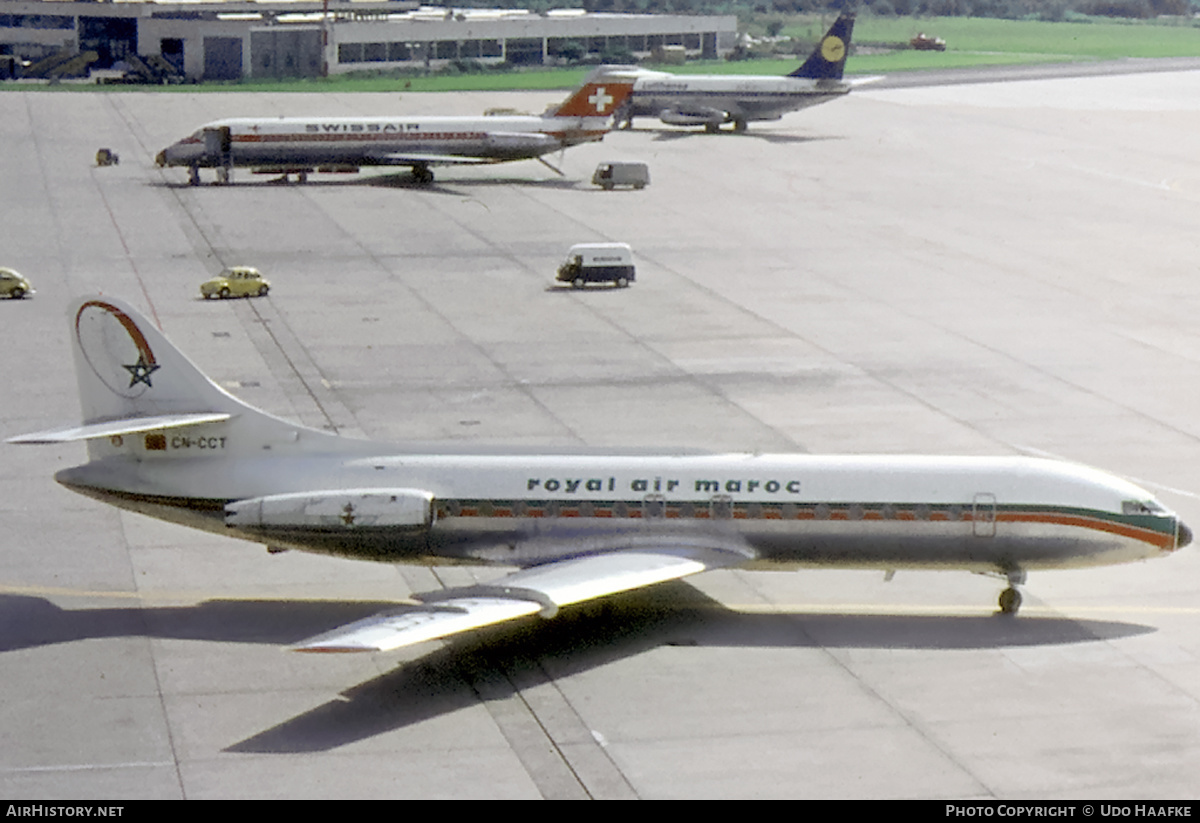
982	514
368	141
740	98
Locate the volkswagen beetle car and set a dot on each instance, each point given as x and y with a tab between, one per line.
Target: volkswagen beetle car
13	285
238	281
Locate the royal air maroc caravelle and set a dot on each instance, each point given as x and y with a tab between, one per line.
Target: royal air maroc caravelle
164	440
302	145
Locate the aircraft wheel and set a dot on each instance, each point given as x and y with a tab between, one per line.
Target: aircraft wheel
422	175
622	282
302	177
1010	601
224	293
739	126
223	175
194	176
578	283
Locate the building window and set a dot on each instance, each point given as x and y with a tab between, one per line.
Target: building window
524	51
36	21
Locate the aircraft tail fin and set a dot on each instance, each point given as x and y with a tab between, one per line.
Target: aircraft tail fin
828	59
599	97
127	369
133	381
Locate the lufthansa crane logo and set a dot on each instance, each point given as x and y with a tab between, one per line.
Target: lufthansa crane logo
601	99
833	49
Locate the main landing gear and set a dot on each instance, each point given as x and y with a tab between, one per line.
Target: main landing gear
422	174
739	126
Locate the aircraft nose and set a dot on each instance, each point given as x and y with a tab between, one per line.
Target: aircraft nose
176	154
1183	535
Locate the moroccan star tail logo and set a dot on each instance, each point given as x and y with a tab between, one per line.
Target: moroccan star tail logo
115	349
597	99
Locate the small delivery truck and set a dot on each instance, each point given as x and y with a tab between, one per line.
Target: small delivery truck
598	263
610	175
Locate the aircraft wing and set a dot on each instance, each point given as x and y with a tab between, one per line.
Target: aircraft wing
509	145
395	159
539	589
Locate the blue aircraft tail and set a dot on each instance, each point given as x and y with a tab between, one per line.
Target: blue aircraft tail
829	57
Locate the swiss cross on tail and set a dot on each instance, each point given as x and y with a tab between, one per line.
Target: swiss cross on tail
598	99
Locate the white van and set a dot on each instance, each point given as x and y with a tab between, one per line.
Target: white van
598	263
610	175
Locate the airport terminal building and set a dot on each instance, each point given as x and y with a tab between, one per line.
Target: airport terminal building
241	38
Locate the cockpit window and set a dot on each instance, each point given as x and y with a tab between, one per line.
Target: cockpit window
1142	507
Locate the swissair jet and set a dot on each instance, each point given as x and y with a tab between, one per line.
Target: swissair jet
301	145
164	440
711	100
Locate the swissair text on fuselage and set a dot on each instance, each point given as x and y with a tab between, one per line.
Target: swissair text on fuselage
317	128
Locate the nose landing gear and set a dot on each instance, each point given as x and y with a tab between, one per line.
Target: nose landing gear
1010	598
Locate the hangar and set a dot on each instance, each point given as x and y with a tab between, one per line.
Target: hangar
232	40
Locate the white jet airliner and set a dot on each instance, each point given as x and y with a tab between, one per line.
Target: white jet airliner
710	100
301	145
166	441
